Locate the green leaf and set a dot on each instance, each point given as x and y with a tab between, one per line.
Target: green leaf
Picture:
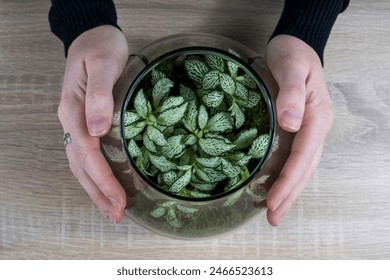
211	80
229	169
238	115
191	118
220	122
196	194
253	99
213	99
157	75
174	146
196	69
210	175
190	140
148	143
227	83
133	149
180	183
241	92
134	129
215	62
171	102
173	220
233	68
187	210
172	116
244	161
214	146
130	117
245	138
203	117
247	81
158	212
233	199
160	90
204	187
141	104
156	136
209	162
259	146
187	93
169	177
162	163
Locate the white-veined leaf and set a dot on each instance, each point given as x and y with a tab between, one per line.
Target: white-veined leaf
162	163
204	187
209	162
134	129
133	149
141	104
259	146
210	80
210	175
244	161
190	140
172	116
169	177
173	147
157	75
215	62
181	182
238	114
187	93
227	83
253	99
158	212
187	210
160	91
215	147
130	117
113	153
229	169
233	68
191	118
197	194
245	138
241	92
220	122
196	69
148	143
171	102
233	199
156	136
203	117
173	220
247	81
213	99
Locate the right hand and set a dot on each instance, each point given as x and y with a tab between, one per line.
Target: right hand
95	61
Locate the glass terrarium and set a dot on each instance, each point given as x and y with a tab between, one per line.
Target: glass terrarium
194	140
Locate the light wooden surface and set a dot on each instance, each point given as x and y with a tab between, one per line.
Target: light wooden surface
343	214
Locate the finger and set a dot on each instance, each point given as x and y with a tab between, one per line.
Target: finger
102	74
274	217
87	162
291	99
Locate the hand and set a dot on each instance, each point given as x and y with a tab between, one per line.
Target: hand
95	61
303	106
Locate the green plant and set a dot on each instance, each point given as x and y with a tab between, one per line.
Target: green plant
196	126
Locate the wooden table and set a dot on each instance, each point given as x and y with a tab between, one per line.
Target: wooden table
343	214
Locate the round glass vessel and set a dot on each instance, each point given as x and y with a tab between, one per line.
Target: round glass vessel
210	179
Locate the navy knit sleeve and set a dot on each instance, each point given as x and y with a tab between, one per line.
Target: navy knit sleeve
69	18
310	20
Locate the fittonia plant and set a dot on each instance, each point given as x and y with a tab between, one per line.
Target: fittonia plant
196	125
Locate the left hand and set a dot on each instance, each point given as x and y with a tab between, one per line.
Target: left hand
303	106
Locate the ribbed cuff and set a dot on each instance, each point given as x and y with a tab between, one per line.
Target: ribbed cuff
310	20
69	18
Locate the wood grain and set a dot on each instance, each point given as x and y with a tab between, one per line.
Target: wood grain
343	214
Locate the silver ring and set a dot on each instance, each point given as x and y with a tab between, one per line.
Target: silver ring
67	139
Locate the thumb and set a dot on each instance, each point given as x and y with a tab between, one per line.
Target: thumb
290	103
99	104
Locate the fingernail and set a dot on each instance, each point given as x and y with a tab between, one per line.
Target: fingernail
116	204
291	119
111	217
97	125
